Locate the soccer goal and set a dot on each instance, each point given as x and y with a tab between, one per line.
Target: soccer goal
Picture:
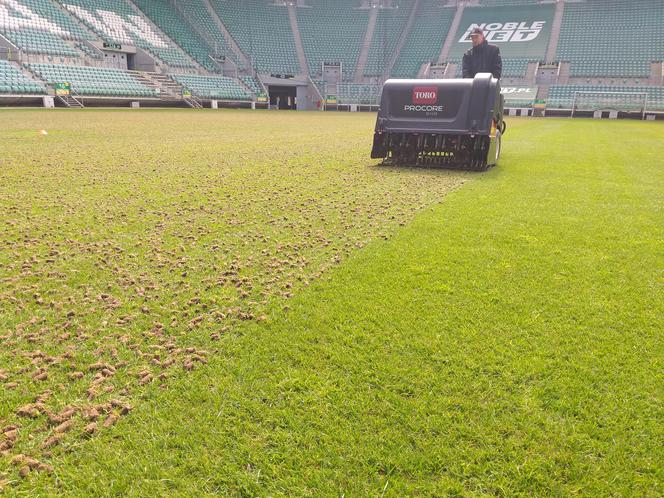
610	101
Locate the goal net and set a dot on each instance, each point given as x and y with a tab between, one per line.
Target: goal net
610	101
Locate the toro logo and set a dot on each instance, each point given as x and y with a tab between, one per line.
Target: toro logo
425	95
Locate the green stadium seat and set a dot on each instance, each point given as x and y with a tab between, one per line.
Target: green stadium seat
333	31
122	13
390	23
426	38
263	32
12	80
170	21
599	39
213	87
101	81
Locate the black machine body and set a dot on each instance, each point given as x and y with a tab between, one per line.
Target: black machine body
452	123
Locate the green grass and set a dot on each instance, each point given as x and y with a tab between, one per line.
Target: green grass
505	341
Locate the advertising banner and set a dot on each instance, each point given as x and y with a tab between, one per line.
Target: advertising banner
520	32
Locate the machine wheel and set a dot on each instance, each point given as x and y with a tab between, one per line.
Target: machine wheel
498	146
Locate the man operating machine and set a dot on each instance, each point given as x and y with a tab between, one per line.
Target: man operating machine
482	57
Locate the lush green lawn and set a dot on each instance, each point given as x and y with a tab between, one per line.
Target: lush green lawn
506	340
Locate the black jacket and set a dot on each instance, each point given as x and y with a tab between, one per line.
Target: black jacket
484	58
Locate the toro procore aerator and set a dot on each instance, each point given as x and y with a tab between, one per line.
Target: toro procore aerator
455	123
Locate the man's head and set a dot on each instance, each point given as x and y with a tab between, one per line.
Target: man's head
477	36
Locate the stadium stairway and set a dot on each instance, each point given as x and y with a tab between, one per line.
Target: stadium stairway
199	18
240	56
302	58
555	32
390	23
70	101
366	46
253	83
166	88
405	34
449	40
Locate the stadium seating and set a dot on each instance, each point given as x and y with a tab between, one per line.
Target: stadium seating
213	87
112	19
503	3
616	39
252	83
562	96
353	93
94	81
169	20
34	41
518	103
263	32
13	81
612	38
426	38
515	68
390	23
49	11
199	16
94	54
512	68
332	31
320	84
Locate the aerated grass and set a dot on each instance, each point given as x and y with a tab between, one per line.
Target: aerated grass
134	242
504	341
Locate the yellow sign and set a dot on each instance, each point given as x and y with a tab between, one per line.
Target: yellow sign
62	88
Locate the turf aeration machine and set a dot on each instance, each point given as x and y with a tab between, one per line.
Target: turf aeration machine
455	123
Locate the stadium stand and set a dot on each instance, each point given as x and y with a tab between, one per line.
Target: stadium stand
252	83
48	14
612	37
93	81
321	86
515	68
263	32
512	68
504	3
353	93
13	81
168	19
602	45
332	31
562	96
213	87
431	26
116	21
38	27
93	54
34	41
389	26
198	16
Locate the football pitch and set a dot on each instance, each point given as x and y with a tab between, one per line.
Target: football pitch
243	303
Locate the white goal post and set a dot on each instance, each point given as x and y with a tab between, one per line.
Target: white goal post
610	101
